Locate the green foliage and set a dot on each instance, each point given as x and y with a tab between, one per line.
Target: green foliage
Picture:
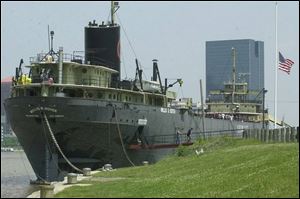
182	151
10	142
229	167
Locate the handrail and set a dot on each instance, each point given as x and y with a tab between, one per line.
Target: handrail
66	57
167	138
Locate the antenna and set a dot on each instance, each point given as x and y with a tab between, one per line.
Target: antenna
48	38
52	34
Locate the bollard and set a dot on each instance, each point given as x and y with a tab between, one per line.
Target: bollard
107	167
72	178
46	191
145	163
86	171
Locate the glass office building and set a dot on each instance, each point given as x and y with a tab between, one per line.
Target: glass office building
249	64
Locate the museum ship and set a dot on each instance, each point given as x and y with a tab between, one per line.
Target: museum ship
74	111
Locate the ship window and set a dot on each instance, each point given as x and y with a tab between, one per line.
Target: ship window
100	95
129	98
90	94
31	93
114	96
126	98
84	70
109	96
141	99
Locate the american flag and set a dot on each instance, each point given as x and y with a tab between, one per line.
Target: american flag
285	64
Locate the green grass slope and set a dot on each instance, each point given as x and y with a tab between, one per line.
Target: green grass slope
229	167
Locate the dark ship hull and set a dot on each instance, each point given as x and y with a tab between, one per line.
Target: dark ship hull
90	132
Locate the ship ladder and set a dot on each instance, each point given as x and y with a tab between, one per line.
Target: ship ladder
58	147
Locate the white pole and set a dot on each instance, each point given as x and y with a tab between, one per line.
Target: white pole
276	66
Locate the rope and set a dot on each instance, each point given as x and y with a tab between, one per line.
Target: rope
122	143
126	36
58	147
123	61
47	141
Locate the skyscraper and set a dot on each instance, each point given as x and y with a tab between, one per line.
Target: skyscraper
249	63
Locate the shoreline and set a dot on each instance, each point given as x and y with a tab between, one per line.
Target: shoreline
60	186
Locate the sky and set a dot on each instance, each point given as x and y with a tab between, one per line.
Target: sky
172	32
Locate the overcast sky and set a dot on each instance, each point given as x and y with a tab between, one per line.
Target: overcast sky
173	32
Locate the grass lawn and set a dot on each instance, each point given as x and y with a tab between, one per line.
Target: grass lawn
229	167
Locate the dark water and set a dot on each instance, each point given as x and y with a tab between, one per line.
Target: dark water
16	173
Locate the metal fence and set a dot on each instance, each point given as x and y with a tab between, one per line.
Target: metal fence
287	134
172	138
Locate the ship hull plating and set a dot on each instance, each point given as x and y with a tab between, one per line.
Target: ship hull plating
89	132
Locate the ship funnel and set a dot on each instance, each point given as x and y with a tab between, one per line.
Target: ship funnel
102	45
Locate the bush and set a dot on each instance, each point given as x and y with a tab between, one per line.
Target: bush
182	151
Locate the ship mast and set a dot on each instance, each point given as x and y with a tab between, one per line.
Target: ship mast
233	73
113	9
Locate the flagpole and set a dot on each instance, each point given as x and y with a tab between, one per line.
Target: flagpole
276	65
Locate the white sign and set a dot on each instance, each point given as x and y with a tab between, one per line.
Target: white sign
142	122
168	110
